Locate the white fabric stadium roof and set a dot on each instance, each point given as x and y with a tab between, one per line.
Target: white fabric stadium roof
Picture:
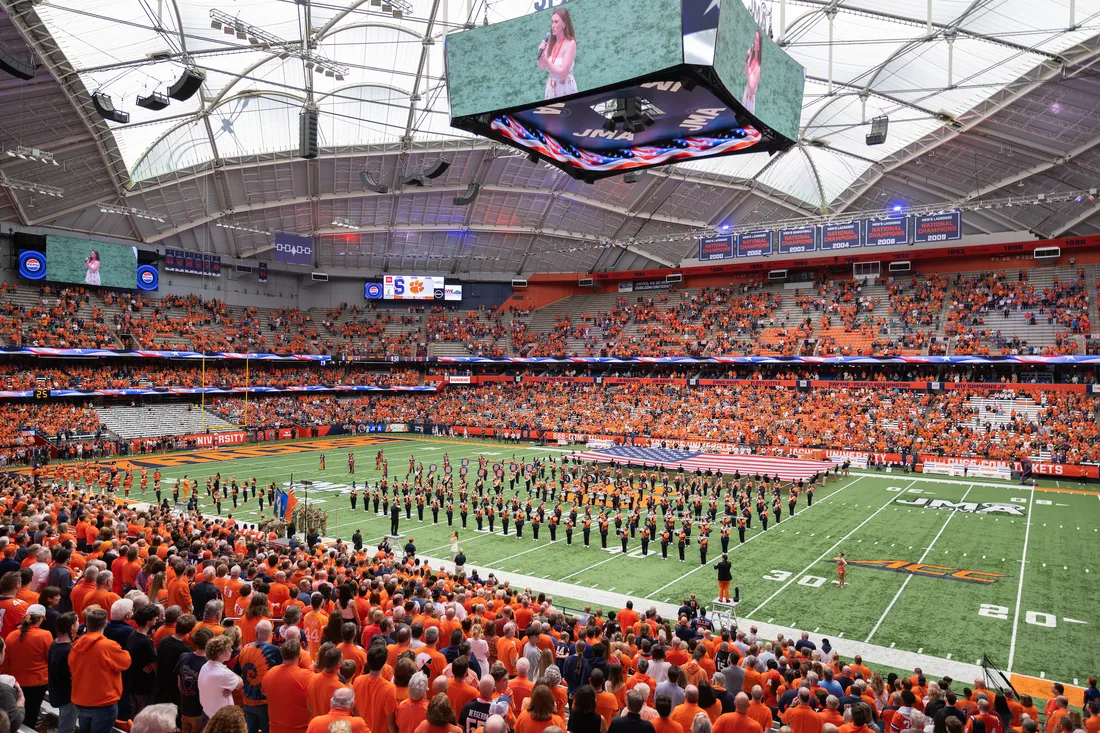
1013	77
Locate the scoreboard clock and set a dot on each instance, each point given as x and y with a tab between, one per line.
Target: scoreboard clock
42	393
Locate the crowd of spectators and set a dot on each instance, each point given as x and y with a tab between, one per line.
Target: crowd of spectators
871	419
736	319
179	622
29	375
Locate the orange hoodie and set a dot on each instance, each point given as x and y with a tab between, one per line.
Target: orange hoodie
97	664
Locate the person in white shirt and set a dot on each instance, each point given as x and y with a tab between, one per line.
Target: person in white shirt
40	570
217	682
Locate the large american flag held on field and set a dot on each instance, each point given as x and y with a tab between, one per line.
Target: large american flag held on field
789	469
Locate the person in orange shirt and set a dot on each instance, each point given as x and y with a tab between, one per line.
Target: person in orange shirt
285	688
800	716
325	682
506	649
179	589
97	664
752	677
627	617
1061	710
541	713
81	590
343	700
664	722
992	722
258	610
353	651
1092	723
458	692
12	608
313	625
520	688
760	712
102	596
27	649
861	717
831	714
412	711
438	717
685	712
738	721
376	697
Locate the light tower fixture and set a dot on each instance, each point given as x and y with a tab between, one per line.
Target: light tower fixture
26	153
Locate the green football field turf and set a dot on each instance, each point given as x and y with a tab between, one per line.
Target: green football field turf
908	587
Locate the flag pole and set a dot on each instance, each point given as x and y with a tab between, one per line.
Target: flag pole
246	391
202	397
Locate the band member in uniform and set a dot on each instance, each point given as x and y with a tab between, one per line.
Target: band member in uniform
322	466
741	523
666	537
681	543
624	535
703	542
354	496
645	541
569	531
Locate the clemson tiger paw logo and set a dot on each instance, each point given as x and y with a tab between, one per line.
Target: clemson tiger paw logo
416	287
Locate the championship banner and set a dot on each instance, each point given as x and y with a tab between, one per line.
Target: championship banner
841	236
886	232
716	248
755	244
261	273
946	227
797	241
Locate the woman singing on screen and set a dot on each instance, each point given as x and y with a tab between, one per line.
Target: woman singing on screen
91	274
753	62
557	54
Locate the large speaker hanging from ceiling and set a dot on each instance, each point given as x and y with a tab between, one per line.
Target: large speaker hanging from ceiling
307	134
370	184
155	102
16	67
105	108
469	197
438	169
187	85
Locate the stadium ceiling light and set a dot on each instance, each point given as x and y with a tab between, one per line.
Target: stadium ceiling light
266	40
18	185
345	224
26	153
129	211
241	227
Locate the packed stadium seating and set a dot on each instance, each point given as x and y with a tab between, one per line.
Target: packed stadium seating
1058	425
1040	311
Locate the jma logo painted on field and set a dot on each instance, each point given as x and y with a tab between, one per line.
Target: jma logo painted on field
931	571
970	507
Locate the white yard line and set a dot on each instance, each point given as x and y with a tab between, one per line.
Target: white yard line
1020	587
837	544
538	546
758	534
905	582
